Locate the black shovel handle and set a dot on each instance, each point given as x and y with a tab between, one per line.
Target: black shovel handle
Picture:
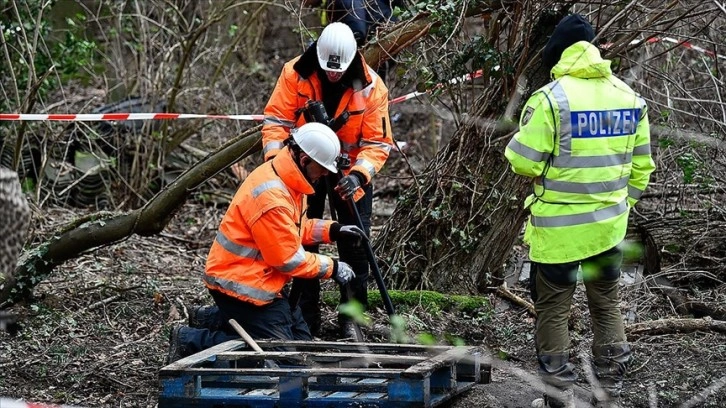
387	304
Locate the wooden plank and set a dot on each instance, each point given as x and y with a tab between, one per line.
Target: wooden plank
293	390
203	356
381	348
405	390
297	372
322	357
446	358
443	380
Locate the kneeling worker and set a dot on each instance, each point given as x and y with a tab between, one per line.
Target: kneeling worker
259	246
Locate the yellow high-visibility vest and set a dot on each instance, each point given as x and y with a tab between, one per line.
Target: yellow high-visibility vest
585	139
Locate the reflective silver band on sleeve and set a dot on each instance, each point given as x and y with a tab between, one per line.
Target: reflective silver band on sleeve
237	249
296	260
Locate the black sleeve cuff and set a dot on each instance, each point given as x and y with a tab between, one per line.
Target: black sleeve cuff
335	231
335	268
360	176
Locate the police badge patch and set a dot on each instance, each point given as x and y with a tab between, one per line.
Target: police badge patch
527	116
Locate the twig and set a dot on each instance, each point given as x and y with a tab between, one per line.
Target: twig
103	302
516	299
671	326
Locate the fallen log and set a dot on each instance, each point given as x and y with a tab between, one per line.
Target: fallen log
682	303
101	229
672	326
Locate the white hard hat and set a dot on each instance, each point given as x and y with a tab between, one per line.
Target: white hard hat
336	47
319	142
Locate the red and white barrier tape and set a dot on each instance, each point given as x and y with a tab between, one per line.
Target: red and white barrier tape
416	94
90	117
11	403
682	43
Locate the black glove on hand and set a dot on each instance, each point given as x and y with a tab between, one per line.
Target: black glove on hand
348	185
342	272
352	233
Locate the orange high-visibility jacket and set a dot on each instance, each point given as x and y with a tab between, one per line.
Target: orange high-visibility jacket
366	136
259	244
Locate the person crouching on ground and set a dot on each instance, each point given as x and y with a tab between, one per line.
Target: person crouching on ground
259	246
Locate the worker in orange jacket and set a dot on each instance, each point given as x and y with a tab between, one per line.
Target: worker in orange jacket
331	83
259	246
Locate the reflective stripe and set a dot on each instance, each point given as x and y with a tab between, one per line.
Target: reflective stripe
634	192
239	250
563	108
268	185
587	162
274	120
296	260
374	78
240	289
272	146
348	147
324	265
526	151
366	165
643	150
580	219
319	231
381	145
586	188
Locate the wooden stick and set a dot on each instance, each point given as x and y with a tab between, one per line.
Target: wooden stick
670	326
242	333
519	301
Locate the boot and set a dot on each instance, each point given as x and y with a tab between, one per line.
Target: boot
206	317
566	399
609	364
349	331
177	350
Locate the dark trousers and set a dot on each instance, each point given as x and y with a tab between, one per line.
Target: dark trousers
552	287
355	256
272	321
362	16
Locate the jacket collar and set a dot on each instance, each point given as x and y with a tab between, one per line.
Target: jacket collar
288	171
582	60
356	77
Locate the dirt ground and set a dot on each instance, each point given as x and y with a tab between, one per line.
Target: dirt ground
96	333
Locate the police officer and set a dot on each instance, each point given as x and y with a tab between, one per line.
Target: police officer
584	139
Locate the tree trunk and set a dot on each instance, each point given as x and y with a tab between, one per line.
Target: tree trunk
453	231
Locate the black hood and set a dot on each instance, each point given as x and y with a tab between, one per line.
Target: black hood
569	30
354	77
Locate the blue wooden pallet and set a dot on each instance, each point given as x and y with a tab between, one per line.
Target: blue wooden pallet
321	374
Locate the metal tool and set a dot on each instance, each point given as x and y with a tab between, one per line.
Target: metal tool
343	163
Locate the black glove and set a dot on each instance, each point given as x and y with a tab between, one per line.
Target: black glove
342	272
352	233
348	185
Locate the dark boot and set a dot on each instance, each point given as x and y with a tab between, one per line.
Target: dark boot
609	364
185	341
177	350
207	317
349	330
556	371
